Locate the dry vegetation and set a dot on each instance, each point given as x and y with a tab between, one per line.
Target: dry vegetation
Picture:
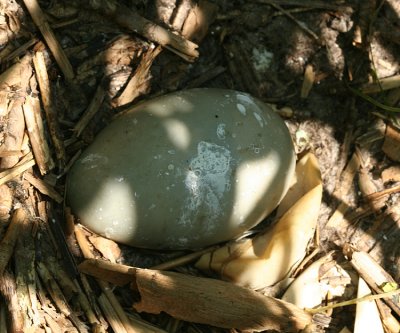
330	68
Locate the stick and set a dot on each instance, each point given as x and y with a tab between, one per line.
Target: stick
48	105
43	187
374	275
10	174
127	18
286	13
39	18
37	137
92	109
216	303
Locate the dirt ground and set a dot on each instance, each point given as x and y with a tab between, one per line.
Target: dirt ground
316	62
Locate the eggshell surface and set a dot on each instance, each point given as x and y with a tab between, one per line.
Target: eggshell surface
183	171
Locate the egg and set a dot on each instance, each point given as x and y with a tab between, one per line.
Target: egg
183	171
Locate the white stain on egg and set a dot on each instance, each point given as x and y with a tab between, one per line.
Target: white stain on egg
207	179
221	131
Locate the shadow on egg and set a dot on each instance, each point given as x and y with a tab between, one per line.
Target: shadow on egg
185	170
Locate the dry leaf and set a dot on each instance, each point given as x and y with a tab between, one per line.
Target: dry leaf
108	248
269	257
311	287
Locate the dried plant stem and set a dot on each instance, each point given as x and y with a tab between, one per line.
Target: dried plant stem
39	18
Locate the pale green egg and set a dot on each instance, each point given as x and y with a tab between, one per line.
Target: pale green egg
185	170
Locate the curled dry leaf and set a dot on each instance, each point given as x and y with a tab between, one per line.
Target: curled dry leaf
311	287
269	257
108	248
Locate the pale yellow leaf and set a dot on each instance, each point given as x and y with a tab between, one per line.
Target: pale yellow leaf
367	313
269	257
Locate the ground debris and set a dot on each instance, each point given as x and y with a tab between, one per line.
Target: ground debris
67	69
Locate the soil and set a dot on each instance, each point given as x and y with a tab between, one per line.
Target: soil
267	48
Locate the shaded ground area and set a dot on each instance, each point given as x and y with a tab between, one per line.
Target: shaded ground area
316	62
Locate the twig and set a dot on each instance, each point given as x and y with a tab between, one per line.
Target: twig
127	18
37	137
9	174
92	109
111	314
48	105
206	76
306	3
302	25
386	83
373	274
20	50
43	187
355	301
184	259
39	18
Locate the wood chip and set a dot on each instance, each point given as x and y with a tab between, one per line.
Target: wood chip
391	145
391	174
39	18
9	240
49	108
10	174
6	199
37	135
8	292
43	187
129	19
199	19
138	84
308	81
383	84
14	134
